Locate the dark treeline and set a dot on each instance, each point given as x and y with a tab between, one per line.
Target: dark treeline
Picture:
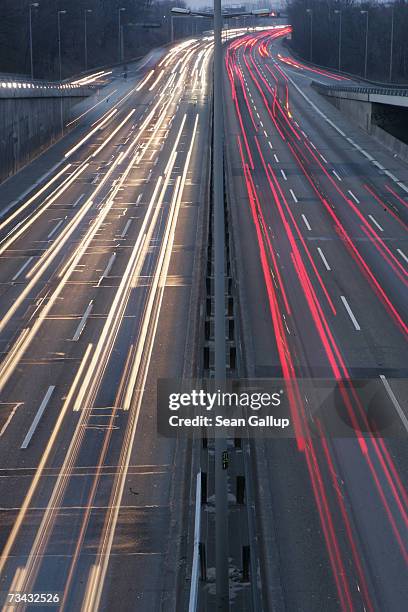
326	17
102	27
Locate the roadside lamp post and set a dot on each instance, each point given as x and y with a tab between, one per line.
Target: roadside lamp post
339	13
391	41
59	43
366	43
310	12
30	7
86	13
120	34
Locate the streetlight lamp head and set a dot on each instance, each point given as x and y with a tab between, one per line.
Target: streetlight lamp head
122	9
260	12
88	10
180	11
62	12
309	11
364	12
35	4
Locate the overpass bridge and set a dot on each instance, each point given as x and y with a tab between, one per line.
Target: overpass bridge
380	110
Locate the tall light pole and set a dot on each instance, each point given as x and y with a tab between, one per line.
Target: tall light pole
30	7
221	499
339	13
366	43
86	13
310	12
59	42
120	11
391	41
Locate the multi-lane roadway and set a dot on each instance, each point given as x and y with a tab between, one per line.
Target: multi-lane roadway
98	270
319	215
101	264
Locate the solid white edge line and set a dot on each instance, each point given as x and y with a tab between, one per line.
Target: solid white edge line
394	401
350	313
37	417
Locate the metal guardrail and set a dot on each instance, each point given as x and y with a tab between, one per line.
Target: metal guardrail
384	91
193	601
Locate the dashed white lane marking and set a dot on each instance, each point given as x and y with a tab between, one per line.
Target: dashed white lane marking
402	255
8	420
52	232
77	201
82	322
139	197
378	165
323	158
394	401
125	229
306	222
339	131
276	158
326	264
285	178
266	135
23	267
270	144
336	175
376	223
350	313
37	417
108	268
354	197
292	193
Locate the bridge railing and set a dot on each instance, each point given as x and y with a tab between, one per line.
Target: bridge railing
384	91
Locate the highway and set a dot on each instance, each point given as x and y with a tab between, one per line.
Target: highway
101	264
97	278
319	216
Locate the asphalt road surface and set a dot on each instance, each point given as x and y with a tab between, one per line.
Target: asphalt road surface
319	212
96	281
100	265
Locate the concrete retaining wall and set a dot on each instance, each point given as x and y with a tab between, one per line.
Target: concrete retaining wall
27	127
358	111
363	114
393	144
